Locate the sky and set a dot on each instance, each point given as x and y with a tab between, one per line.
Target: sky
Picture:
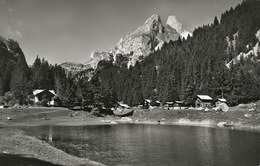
69	30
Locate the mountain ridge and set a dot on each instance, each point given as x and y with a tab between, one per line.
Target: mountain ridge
139	43
146	38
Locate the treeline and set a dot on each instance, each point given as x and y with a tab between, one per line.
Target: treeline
14	72
18	82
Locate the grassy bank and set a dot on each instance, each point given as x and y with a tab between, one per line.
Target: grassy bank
240	117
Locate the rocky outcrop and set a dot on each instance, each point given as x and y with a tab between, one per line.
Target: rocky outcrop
175	24
147	38
73	67
96	57
254	52
142	40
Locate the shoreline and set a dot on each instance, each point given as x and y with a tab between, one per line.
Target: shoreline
203	124
18	143
14	141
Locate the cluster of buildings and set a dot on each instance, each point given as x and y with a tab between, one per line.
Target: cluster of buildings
202	101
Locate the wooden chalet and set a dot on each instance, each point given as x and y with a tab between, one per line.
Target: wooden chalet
203	101
44	94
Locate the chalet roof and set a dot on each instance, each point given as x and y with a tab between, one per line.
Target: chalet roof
148	100
38	91
222	99
169	102
204	97
52	91
124	105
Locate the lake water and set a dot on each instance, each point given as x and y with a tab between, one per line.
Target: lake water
153	145
17	160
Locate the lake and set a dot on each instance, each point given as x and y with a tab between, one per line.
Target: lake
20	160
153	145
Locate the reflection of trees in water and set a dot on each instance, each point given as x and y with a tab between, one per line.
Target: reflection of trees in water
50	134
151	144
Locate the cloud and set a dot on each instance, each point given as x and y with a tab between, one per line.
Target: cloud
13	33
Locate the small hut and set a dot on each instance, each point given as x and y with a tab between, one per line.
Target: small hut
169	104
203	101
123	110
147	103
157	103
220	101
178	104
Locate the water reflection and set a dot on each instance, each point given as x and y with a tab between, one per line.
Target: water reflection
20	160
50	134
154	144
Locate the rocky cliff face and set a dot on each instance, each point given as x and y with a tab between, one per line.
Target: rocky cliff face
96	57
140	43
254	52
175	24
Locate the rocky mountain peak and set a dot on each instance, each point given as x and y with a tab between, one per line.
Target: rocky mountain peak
141	42
153	23
175	24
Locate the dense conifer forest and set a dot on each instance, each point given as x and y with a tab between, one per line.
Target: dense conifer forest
185	68
180	70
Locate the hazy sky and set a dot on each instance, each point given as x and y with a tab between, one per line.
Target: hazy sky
69	30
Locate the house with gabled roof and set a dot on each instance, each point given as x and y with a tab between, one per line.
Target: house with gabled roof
44	94
203	101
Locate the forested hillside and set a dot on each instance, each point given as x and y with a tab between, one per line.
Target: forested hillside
14	71
183	69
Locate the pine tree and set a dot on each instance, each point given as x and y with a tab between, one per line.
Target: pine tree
19	84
